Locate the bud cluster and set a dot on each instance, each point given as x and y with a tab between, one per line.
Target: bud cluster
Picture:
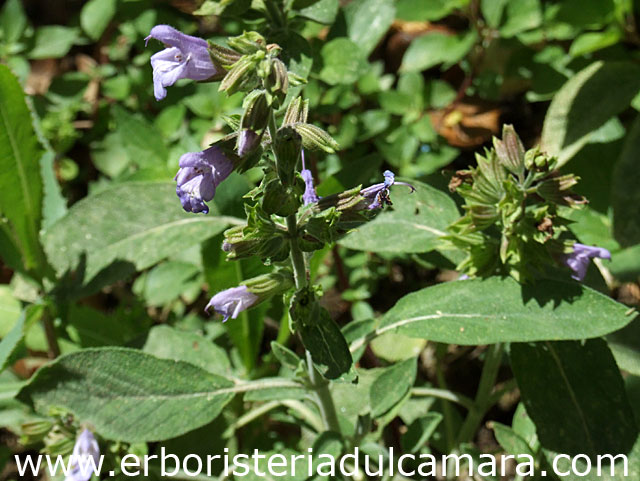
514	200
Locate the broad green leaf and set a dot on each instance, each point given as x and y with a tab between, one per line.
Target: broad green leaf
95	17
328	348
166	342
128	395
53	41
499	310
20	181
343	62
276	389
413	225
286	356
589	42
625	192
421	11
436	48
136	224
586	102
625	263
368	21
142	140
12	21
576	397
391	386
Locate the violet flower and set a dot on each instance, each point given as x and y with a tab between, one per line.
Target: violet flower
199	175
578	260
309	196
86	447
232	302
378	194
185	57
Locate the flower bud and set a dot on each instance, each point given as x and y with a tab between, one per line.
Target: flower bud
510	151
248	43
223	56
241	76
288	149
315	138
279	199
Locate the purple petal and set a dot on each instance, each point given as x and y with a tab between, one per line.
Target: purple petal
231	302
309	196
170	36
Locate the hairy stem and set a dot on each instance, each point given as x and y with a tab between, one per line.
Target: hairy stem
320	385
50	333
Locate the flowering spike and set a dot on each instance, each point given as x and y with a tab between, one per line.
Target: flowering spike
578	260
199	175
86	447
185	57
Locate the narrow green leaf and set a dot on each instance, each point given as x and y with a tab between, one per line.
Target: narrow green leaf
500	310
10	343
128	395
418	218
586	102
20	181
510	441
392	386
135	224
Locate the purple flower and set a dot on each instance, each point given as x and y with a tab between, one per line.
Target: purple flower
85	451
186	57
578	260
378	194
232	302
309	196
248	140
199	175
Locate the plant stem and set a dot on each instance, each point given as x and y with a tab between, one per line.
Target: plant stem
50	333
483	399
319	384
444	394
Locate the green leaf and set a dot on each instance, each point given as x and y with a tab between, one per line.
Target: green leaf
522	15
140	138
20	181
494	310
343	62
394	347
589	42
419	219
95	17
576	397
12	21
391	386
328	348
166	342
167	281
286	356
53	41
368	21
625	346
586	102
510	441
492	11
54	205
436	48
419	432
135	224
421	11
11	343
625	192
128	395
323	11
